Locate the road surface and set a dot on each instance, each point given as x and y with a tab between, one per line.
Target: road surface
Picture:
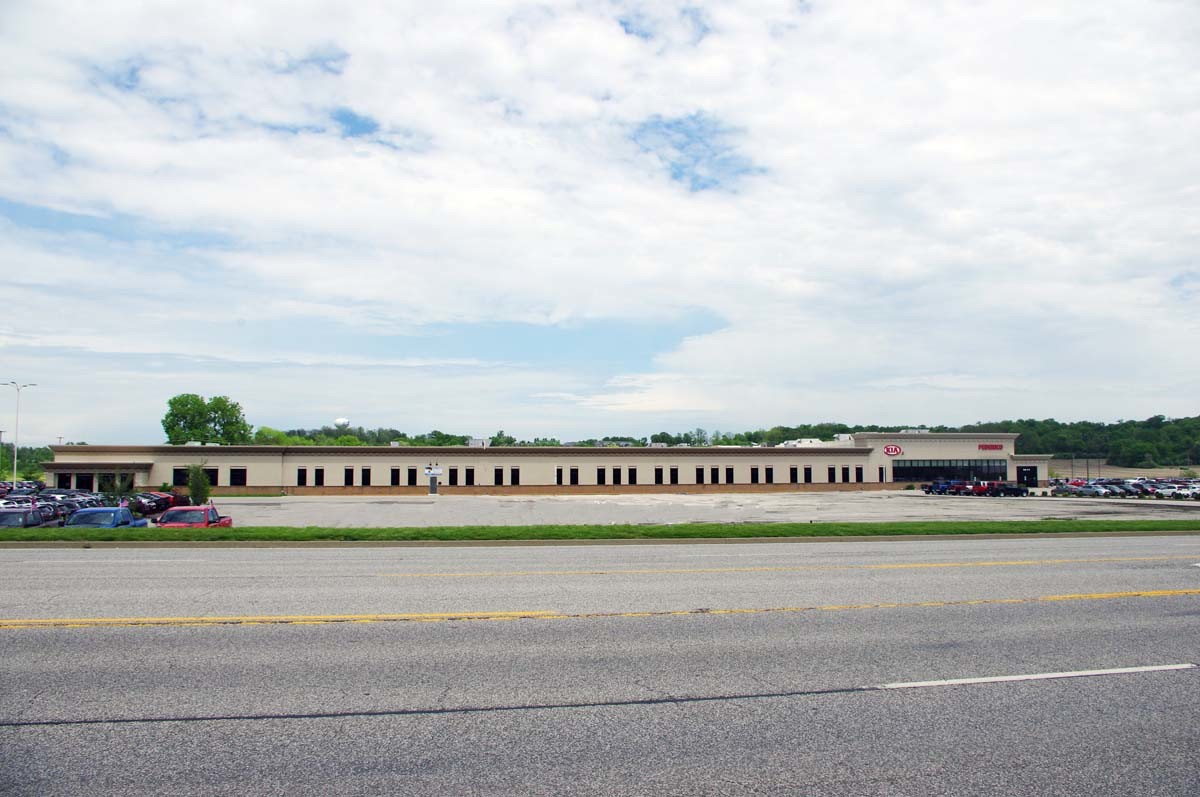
601	670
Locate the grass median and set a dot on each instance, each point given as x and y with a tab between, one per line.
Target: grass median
698	531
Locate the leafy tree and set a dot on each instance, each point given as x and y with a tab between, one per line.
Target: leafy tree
187	419
217	420
228	421
198	486
502	439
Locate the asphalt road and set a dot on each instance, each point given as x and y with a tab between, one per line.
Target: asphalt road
881	506
648	669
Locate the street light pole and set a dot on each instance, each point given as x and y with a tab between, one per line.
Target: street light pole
17	426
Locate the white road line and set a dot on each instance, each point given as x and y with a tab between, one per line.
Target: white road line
1037	677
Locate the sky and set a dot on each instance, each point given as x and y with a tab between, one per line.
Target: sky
577	219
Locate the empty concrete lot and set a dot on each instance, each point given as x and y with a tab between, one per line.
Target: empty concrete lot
447	510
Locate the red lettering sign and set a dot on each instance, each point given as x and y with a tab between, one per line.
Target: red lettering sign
991	446
893	450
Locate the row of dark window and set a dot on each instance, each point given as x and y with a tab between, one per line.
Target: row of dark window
711	475
411	477
928	470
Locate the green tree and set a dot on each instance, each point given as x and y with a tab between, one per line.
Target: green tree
198	485
217	420
502	439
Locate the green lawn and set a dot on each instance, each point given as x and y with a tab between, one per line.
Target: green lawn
631	532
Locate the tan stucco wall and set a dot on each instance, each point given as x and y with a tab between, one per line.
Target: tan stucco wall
274	468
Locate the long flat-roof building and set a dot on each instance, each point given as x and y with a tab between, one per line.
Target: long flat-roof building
875	460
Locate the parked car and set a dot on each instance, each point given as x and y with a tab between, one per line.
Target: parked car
1093	491
108	517
193	517
20	519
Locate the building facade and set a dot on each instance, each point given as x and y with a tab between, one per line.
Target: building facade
859	462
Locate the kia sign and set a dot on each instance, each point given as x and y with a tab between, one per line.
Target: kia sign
893	450
991	446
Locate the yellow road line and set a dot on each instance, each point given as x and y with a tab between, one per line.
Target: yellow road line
105	622
797	569
314	619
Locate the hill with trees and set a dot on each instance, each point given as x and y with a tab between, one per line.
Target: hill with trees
1155	441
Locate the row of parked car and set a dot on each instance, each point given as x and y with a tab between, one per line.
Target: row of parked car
25	507
1179	489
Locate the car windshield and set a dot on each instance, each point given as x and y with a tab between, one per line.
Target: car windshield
183	516
91	519
12	519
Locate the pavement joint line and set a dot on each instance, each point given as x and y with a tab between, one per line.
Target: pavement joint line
795	569
127	622
675	700
1045	676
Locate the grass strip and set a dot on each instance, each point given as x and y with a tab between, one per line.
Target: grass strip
697	531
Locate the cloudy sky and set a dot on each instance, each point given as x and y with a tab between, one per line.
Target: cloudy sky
584	218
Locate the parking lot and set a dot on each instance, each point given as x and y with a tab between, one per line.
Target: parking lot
350	512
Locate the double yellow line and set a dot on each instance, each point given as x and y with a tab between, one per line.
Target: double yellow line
443	617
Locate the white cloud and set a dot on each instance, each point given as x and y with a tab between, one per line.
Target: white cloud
949	212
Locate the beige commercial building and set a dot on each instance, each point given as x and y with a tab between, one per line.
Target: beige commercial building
853	462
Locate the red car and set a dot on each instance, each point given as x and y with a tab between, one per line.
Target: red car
193	517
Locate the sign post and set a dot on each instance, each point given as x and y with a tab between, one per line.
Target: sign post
433	471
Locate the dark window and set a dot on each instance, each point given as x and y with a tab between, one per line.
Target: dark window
301	477
793	475
699	475
237	477
395	480
832	475
808	474
366	477
558	476
211	473
674	475
770	475
318	477
348	477
845	473
858	473
470	474
108	482
412	477
514	476
179	477
714	475
84	481
658	479
498	477
63	481
882	475
453	477
600	474
616	475
729	476
754	475
574	475
633	475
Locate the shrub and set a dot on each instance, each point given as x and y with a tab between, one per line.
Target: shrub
198	484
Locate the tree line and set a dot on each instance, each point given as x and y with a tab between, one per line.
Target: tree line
1155	441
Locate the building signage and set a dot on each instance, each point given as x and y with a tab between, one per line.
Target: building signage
893	450
434	471
991	446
